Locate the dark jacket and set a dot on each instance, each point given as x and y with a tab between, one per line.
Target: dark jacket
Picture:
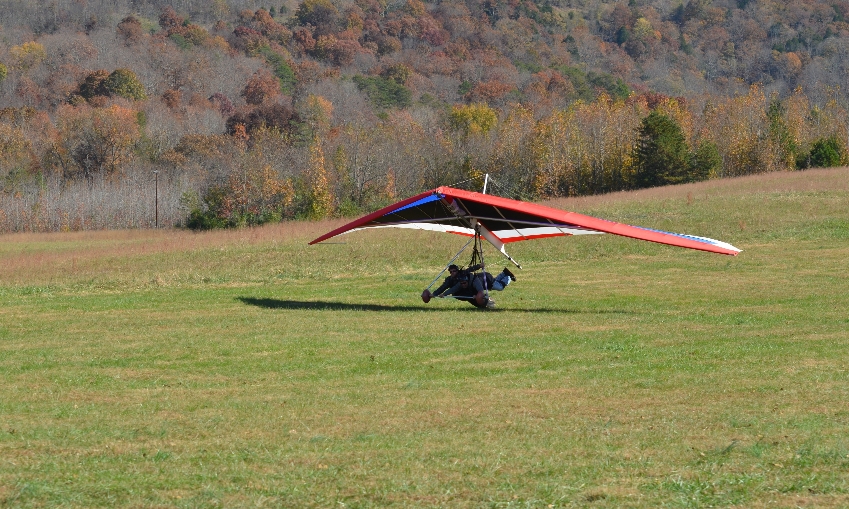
451	285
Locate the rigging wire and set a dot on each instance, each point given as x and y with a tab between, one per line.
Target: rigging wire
450	262
506	192
457	184
477	257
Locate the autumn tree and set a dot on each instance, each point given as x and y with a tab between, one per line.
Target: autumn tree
94	141
124	83
252	195
172	98
317	196
738	127
28	90
512	163
477	118
399	73
586	149
130	30
264	22
169	19
279	118
222	103
92	85
317	112
360	162
119	83
28	55
492	91
553	145
321	14
16	153
261	87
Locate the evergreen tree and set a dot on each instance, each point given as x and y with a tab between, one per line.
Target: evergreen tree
704	162
779	132
661	154
827	153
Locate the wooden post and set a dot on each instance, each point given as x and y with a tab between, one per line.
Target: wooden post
156	198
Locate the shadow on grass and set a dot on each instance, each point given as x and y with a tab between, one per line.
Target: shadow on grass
344	306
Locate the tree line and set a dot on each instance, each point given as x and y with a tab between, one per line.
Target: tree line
329	109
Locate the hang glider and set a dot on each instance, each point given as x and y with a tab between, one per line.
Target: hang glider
501	221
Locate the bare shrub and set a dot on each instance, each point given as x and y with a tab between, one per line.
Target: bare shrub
52	204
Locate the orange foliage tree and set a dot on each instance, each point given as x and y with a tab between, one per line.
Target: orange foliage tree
16	153
739	127
587	149
319	199
262	87
91	141
258	195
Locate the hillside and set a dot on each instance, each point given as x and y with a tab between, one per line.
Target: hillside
248	114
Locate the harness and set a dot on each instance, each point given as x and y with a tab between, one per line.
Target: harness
476	259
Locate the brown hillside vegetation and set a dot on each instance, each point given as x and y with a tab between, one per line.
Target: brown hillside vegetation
246	114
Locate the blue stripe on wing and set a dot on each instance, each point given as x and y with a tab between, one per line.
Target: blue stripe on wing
426	199
695	238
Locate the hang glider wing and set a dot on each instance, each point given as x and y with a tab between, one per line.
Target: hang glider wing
503	220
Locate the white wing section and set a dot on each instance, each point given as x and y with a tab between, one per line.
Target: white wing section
715	242
497	238
540	233
433	227
498	244
505	236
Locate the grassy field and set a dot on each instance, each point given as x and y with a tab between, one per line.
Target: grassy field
247	369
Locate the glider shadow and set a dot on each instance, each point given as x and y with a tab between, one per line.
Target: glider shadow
268	303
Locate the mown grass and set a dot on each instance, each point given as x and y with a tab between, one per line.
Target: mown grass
170	369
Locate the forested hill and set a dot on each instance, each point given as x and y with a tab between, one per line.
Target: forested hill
248	112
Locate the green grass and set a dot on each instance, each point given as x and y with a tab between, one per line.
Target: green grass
170	369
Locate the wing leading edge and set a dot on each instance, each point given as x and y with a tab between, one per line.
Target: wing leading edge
503	220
